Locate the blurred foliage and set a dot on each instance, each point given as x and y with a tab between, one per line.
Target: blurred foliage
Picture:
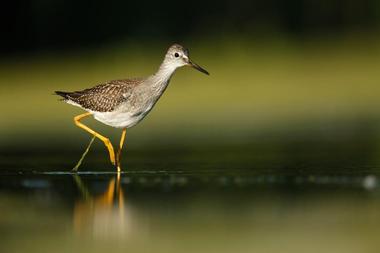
43	24
292	69
326	88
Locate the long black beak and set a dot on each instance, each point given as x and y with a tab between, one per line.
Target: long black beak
197	67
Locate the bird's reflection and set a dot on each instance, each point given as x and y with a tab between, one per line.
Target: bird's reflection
102	215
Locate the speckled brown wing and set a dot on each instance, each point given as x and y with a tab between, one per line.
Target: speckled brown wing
103	97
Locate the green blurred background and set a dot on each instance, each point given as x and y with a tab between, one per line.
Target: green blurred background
277	150
305	73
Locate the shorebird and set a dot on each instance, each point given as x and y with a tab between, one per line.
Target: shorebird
124	103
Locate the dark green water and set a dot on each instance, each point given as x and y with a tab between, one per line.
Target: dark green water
186	200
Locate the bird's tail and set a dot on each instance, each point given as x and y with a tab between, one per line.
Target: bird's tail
63	94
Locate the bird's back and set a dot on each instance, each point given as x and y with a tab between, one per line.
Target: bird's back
103	97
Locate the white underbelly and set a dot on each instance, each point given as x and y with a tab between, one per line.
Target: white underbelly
122	117
118	119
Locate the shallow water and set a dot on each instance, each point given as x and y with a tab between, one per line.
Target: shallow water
237	200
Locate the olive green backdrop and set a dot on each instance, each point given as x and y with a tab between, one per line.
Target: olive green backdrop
304	72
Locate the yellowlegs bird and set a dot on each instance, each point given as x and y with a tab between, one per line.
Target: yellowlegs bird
124	103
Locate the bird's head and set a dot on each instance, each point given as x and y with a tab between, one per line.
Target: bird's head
178	56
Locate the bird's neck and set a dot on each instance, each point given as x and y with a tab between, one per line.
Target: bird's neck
162	77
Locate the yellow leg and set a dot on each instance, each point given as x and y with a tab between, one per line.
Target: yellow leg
120	148
105	140
83	155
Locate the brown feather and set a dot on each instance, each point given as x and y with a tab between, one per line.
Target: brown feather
103	97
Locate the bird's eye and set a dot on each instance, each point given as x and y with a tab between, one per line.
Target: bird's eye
176	55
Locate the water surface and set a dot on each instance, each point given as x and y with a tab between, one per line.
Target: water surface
224	200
